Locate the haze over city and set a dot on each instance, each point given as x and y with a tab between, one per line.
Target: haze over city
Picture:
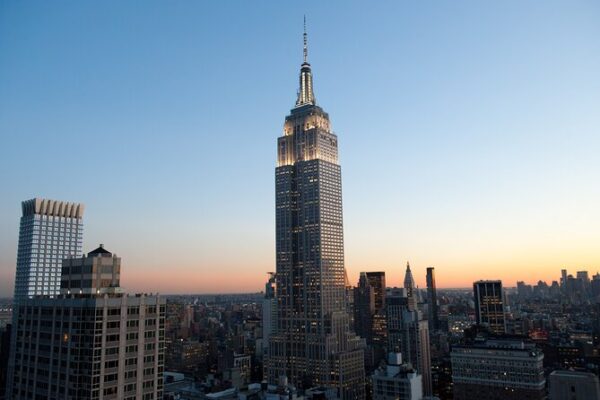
469	134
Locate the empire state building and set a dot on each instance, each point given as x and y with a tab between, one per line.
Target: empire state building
313	344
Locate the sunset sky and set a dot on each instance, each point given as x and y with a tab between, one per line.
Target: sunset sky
469	133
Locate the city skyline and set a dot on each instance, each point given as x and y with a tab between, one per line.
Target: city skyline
501	188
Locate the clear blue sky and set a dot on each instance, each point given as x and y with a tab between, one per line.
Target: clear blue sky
469	132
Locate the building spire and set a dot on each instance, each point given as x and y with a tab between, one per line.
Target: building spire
409	285
305	43
409	282
305	93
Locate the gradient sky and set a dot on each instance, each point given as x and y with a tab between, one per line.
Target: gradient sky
469	133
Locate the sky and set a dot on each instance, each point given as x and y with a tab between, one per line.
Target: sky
469	133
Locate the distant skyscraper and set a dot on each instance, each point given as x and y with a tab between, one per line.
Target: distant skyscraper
377	282
434	321
90	342
408	332
409	285
50	232
563	280
314	344
489	305
269	310
364	308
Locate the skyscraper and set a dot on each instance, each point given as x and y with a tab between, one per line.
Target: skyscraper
364	308
269	310
50	231
377	282
379	338
314	344
434	321
489	305
408	332
409	285
90	342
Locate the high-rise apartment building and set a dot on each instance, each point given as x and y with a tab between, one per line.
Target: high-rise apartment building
498	369
50	231
90	342
489	305
434	319
314	344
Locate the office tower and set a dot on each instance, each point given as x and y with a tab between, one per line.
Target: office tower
595	286
397	381
377	282
379	337
489	305
563	280
90	342
434	321
499	369
408	333
572	385
314	344
409	285
269	310
364	308
50	231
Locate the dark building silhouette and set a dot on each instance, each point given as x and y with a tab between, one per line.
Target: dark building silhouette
489	305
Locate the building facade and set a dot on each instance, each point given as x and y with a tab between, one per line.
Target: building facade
489	305
408	332
573	385
49	232
434	319
498	369
89	344
314	344
397	381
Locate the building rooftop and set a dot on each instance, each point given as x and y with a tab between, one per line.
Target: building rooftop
100	251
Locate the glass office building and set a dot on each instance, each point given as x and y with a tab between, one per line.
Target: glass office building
50	231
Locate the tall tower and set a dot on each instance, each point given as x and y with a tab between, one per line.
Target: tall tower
314	344
489	305
50	231
434	320
409	285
